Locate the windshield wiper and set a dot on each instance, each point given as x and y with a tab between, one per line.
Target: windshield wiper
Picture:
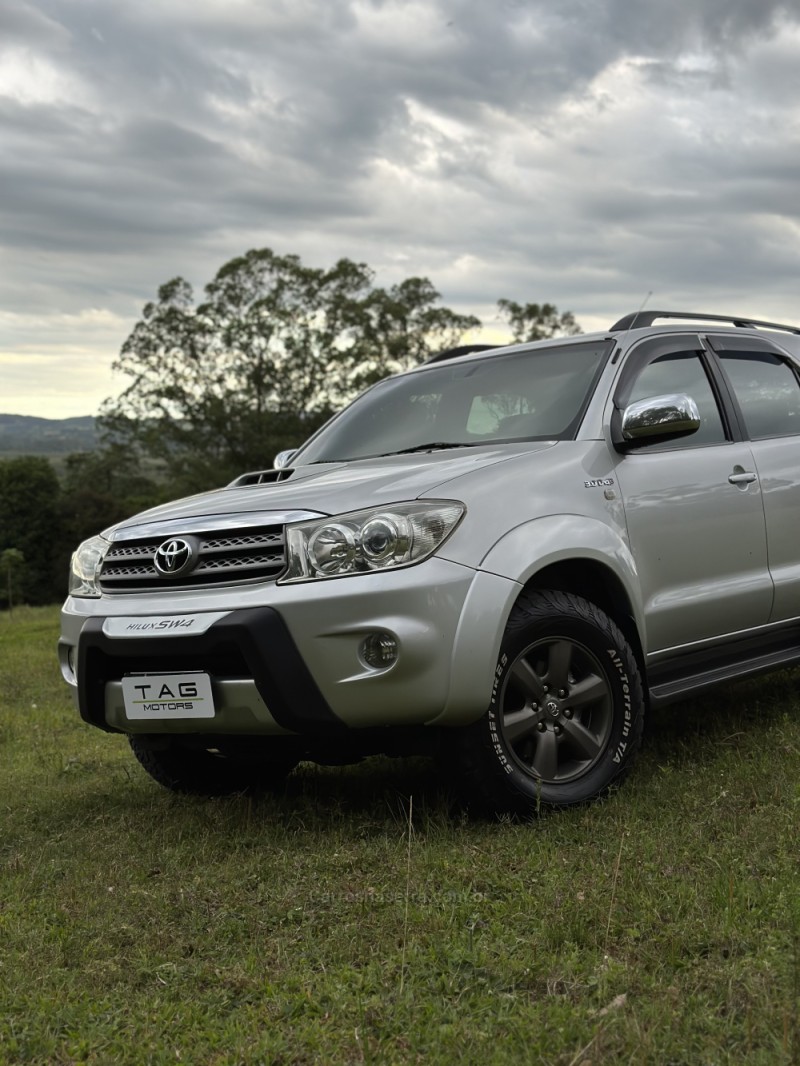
432	446
436	445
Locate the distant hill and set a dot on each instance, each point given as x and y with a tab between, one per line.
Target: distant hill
26	435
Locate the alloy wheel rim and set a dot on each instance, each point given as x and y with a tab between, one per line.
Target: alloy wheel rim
556	710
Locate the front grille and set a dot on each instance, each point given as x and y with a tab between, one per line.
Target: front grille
227	558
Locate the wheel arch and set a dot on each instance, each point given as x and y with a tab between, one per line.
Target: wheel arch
601	586
581	555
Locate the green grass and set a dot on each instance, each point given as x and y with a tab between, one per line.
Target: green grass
661	926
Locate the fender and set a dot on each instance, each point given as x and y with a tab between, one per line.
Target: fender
513	560
531	546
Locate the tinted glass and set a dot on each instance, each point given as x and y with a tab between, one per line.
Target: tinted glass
767	391
529	395
683	372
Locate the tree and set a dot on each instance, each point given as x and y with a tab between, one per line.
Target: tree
402	328
12	564
100	488
537	322
29	495
275	347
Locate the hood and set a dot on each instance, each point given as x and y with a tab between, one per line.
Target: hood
337	488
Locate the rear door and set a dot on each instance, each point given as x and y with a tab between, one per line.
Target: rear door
766	387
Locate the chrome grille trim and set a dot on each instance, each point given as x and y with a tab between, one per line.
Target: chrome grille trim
209	523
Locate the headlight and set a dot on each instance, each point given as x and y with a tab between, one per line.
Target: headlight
365	541
85	569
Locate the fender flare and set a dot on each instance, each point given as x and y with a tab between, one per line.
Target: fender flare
531	546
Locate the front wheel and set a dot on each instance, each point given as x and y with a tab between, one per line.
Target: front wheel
200	771
566	712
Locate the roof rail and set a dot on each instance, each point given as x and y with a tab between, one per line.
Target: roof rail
463	349
646	318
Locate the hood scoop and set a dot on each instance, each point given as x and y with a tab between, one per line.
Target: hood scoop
261	477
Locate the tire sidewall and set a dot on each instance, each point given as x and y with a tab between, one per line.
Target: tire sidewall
606	645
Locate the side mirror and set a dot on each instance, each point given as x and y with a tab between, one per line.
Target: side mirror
657	418
282	459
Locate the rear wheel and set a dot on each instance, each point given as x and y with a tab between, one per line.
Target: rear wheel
202	771
566	712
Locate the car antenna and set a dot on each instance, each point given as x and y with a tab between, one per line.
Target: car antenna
641	308
647	296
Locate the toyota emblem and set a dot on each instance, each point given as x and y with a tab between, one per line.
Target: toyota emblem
174	557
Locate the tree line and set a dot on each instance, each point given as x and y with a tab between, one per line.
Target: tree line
219	385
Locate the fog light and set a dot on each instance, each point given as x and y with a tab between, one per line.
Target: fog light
71	661
379	650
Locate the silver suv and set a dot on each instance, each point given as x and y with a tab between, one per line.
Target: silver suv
500	557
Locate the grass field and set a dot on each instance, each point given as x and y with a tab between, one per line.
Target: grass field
360	918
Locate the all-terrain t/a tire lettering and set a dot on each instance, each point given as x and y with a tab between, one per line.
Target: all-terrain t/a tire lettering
566	712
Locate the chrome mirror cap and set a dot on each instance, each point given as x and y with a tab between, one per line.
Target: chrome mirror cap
673	414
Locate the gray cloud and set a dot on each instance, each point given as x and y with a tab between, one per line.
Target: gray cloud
580	152
24	24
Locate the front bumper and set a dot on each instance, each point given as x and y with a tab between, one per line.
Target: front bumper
286	659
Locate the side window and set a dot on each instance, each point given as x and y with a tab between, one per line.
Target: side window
683	372
767	390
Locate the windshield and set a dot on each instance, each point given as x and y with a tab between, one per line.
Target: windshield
536	394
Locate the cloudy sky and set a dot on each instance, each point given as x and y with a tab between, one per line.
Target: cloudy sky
583	152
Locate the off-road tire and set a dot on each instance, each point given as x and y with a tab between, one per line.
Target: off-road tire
566	713
198	771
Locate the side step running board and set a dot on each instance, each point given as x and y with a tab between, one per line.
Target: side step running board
681	686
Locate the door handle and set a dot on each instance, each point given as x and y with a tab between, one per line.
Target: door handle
743	477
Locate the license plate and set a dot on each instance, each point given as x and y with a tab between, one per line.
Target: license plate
166	696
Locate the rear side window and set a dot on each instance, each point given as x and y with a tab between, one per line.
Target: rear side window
767	391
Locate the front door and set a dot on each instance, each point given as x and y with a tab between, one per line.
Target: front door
694	511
